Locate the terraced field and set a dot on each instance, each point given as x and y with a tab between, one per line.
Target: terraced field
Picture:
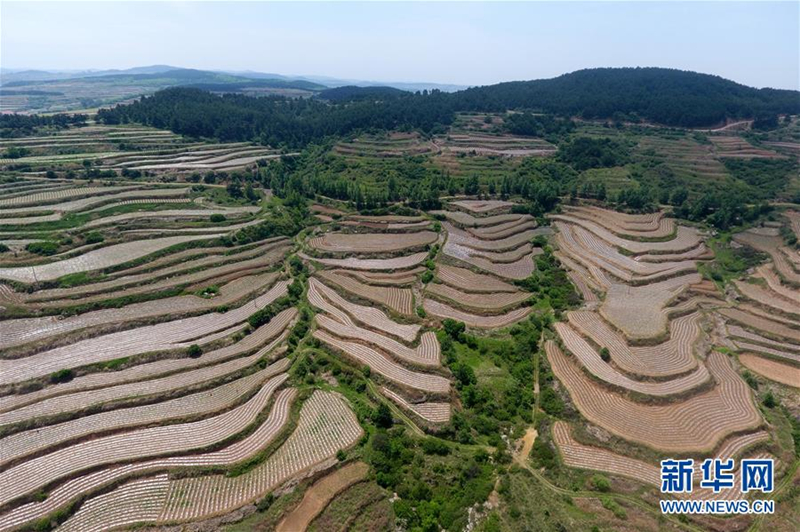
134	148
637	361
169	372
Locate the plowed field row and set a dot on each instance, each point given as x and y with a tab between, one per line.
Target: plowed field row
385	367
21	331
400	300
440	310
671	357
163	336
772	369
371	242
98	259
427	354
469	281
326	425
201	403
591	361
166	376
236	452
429	411
482	206
135	445
463	219
324	298
486	302
106	200
398	263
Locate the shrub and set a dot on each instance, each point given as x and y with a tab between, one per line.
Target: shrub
434	446
605	354
217	218
194	351
4	248
750	380
770	401
601	483
94	237
427	277
64	375
42	248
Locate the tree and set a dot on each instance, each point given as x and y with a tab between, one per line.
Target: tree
249	193
383	416
234	190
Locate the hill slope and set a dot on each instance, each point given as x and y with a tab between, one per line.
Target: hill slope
660	95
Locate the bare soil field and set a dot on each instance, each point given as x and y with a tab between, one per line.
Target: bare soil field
320	494
772	369
371	243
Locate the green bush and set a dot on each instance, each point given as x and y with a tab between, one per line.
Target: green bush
605	354
64	375
216	218
94	237
194	351
42	248
770	401
4	248
601	483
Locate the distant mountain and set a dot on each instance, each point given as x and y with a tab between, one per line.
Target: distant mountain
10	77
161	77
14	75
660	95
351	93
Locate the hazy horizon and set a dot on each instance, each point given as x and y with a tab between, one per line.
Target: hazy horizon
753	43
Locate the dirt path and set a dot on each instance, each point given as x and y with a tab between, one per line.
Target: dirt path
527	444
318	496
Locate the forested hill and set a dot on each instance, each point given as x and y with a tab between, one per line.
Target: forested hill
353	93
662	96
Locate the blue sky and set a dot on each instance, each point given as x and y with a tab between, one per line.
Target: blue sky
756	43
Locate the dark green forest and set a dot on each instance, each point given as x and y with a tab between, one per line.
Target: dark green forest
664	96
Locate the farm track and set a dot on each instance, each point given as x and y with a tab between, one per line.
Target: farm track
320	494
